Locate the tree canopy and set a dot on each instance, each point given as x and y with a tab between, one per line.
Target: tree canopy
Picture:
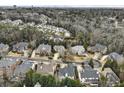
47	81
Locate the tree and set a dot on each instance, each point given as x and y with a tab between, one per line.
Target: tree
113	65
91	63
35	78
48	81
28	79
103	81
32	78
70	83
120	85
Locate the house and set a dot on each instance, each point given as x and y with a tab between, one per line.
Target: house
97	48
17	22
116	57
89	75
5	66
77	50
112	78
15	68
43	50
6	21
20	47
59	49
46	68
57	38
4	48
20	70
67	71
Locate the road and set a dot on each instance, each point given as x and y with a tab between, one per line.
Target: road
43	60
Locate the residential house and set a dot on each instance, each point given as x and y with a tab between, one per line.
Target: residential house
14	68
112	78
20	47
97	48
116	57
89	75
17	22
77	50
6	21
59	49
43	50
21	70
5	66
46	68
57	38
67	71
4	48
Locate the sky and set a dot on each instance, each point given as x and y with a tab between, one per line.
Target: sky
70	3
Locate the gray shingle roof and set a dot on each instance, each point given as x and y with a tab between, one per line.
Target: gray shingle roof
7	62
69	70
116	57
45	49
98	48
59	49
20	47
110	75
89	74
23	68
77	50
4	47
46	68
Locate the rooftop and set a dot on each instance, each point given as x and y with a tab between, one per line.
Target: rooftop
68	70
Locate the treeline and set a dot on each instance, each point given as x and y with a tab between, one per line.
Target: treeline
93	23
46	81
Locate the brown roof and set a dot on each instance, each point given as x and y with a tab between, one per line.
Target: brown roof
46	68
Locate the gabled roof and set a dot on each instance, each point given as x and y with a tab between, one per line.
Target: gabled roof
116	57
3	46
60	49
43	48
6	62
23	68
89	74
45	68
79	49
69	71
98	48
112	76
20	46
